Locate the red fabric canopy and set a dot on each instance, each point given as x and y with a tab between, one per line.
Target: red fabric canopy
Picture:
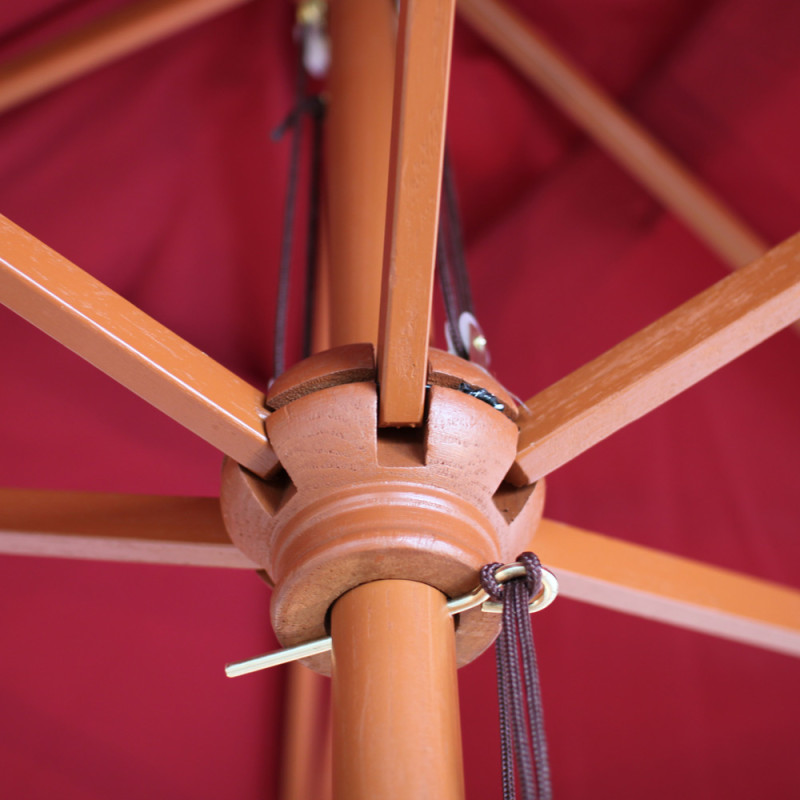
158	176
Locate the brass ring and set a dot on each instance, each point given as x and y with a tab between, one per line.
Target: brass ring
540	601
479	596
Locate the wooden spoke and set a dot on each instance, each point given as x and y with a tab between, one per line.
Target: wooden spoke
105	329
613	129
131	28
358	131
422	71
657	363
648	583
116	527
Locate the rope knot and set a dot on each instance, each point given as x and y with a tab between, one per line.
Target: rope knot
532	581
490	584
533	573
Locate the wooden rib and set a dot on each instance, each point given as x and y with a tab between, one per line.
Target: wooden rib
358	133
110	38
422	71
657	363
613	129
115	527
647	583
99	325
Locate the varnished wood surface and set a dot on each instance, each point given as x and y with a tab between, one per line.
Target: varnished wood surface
114	36
351	363
593	568
627	141
654	365
81	313
357	131
396	732
149	529
306	736
649	583
424	43
358	505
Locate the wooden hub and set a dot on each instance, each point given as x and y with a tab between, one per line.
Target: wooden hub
355	503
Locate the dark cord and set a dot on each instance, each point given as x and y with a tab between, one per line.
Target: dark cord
449	296
313	106
292	121
463	289
523	745
451	265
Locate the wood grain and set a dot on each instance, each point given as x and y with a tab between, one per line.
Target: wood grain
625	140
396	732
359	504
357	141
150	529
648	583
81	313
646	370
422	72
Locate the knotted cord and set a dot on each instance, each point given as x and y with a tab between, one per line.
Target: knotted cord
523	743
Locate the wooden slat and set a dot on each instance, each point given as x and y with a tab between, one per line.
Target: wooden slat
657	363
109	332
422	72
115	527
648	583
587	104
358	133
131	28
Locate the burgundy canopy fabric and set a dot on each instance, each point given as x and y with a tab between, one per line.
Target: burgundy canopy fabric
158	176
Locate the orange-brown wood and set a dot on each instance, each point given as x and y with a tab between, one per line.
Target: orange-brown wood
395	697
649	583
356	362
593	568
424	42
359	128
306	722
306	761
110	38
351	363
358	131
657	363
115	336
116	527
612	128
358	504
321	328
325	761
446	369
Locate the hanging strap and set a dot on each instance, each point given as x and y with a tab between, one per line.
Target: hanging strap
523	744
